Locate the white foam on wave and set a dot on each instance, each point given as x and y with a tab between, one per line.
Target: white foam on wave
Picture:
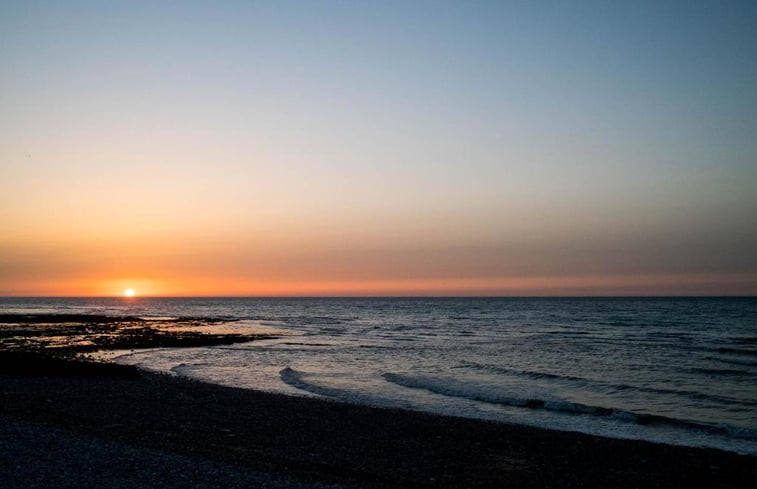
357	389
540	408
514	395
260	369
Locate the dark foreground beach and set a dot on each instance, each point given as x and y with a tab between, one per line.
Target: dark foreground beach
68	423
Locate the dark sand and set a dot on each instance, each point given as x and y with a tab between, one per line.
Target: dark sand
35	456
318	441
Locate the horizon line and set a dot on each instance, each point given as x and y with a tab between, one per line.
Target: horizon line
622	296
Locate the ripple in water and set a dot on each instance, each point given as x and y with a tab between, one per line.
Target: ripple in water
672	370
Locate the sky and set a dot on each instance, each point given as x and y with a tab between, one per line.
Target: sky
378	148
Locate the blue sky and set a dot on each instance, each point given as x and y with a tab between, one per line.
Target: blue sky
364	142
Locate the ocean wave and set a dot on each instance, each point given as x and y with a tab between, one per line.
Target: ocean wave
521	373
592	383
294	343
182	369
491	395
737	351
747	339
721	371
296	379
734	361
567	332
314	320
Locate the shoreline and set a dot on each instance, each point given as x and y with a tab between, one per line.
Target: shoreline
57	392
325	441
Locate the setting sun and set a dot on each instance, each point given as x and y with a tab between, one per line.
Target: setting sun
129	293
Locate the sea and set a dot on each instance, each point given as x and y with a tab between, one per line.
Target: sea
680	371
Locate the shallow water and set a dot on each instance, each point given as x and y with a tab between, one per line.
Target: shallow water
675	370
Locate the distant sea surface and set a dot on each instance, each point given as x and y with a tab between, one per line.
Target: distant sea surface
672	370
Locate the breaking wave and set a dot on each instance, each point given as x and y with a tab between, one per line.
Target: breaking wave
453	388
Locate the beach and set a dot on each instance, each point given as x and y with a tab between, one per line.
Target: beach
69	421
327	442
380	245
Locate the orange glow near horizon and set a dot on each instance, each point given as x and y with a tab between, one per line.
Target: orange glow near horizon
291	165
331	262
514	286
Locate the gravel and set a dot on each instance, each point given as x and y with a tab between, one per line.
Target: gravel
36	456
